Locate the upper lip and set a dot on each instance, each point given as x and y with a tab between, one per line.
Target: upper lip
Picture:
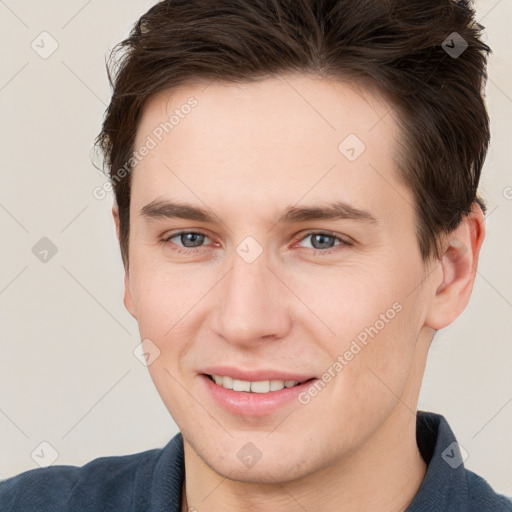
254	375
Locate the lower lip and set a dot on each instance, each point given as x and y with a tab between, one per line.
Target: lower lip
253	404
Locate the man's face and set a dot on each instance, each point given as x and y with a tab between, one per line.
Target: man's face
247	293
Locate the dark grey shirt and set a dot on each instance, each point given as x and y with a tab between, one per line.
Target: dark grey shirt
152	481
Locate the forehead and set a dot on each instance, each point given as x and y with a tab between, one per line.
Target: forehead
290	136
294	107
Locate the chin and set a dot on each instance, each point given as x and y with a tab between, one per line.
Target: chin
269	472
271	463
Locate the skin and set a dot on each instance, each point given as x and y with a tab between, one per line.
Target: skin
246	152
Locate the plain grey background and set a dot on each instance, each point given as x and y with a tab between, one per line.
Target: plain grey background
68	373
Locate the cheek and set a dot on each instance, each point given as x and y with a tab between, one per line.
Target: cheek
376	321
170	306
356	303
372	380
163	293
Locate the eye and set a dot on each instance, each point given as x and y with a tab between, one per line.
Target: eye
189	240
325	242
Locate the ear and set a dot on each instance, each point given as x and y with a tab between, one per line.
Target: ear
128	300
115	214
459	261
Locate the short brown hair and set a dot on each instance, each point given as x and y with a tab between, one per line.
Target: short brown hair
401	47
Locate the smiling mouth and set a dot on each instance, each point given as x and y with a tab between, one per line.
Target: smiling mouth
262	386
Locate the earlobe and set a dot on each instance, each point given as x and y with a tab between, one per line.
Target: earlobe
128	300
458	263
115	215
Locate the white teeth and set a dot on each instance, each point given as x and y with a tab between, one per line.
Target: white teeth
240	385
262	386
276	385
227	382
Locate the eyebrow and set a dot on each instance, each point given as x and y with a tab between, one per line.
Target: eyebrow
337	210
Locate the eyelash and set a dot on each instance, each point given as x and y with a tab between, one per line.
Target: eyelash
199	250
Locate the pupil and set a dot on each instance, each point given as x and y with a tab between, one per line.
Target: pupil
191	237
323	238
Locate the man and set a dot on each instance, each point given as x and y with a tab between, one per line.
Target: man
297	210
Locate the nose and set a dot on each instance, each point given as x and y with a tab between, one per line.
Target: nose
251	304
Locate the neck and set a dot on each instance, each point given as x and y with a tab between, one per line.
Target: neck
385	474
